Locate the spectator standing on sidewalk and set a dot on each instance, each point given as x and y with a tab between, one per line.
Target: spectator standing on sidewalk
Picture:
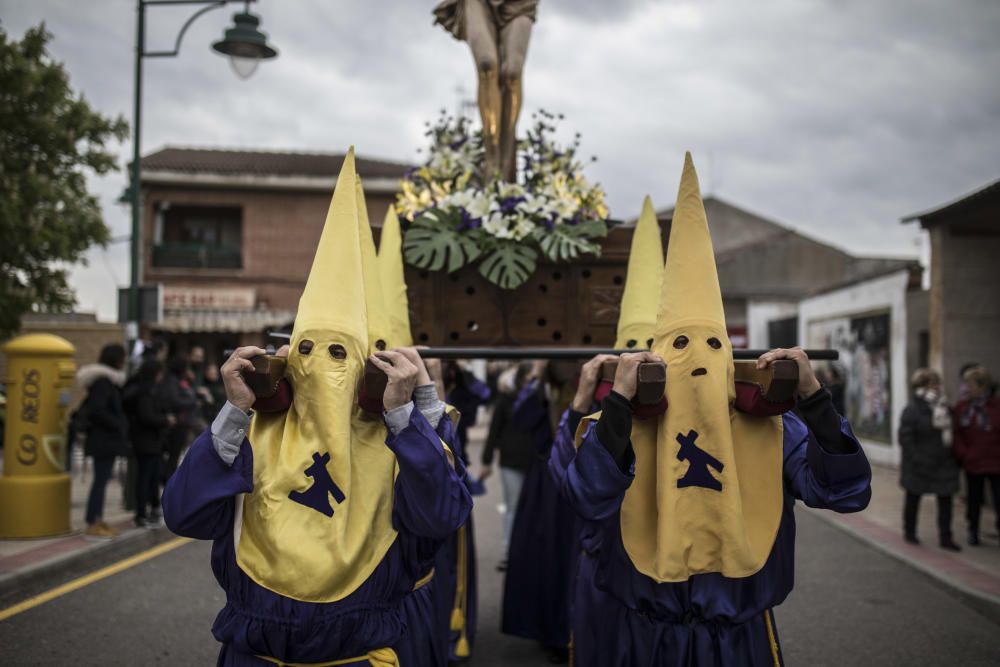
149	423
928	466
977	444
178	399
107	430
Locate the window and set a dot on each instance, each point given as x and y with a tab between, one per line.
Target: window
198	237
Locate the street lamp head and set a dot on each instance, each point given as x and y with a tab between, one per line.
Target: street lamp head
245	45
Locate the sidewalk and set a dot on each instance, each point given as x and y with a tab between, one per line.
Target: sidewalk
23	559
973	574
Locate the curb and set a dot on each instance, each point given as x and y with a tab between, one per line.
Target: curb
25	582
983	602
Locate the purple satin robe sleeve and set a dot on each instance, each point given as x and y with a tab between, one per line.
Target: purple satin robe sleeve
199	499
593	483
446	431
449	435
840	482
430	500
563	451
478	388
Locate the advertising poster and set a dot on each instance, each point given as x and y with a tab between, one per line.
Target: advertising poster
864	345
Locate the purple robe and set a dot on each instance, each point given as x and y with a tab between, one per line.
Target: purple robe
446	561
430	503
622	618
542	553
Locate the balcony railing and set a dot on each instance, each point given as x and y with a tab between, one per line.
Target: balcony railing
196	256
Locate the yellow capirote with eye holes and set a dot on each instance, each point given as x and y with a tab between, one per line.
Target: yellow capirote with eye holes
707	494
319	519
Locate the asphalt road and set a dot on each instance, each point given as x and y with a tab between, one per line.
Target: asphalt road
851	606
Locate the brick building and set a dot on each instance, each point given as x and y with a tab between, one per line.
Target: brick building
229	237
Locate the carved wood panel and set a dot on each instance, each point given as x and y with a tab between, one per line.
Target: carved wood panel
560	305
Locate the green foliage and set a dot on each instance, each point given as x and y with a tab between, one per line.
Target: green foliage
433	242
49	139
455	215
509	265
567	242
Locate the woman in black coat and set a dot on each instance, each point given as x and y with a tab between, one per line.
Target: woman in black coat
149	422
106	430
928	464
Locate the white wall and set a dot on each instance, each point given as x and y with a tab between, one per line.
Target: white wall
760	313
880	294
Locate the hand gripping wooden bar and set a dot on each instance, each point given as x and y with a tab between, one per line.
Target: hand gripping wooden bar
777	382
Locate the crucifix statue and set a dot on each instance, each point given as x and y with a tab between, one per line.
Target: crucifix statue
497	32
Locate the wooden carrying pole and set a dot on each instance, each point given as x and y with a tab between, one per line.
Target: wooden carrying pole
575	353
777	382
558	352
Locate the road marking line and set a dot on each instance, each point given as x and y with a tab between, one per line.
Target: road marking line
97	575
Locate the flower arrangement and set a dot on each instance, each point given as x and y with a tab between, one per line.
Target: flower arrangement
455	215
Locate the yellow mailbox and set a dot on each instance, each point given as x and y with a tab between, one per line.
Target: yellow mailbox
34	487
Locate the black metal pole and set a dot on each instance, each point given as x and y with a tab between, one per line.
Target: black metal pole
560	352
133	291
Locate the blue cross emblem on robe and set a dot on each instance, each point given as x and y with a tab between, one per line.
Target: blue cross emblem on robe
698	463
318	495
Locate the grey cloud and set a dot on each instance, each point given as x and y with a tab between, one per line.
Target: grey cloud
593	10
835	117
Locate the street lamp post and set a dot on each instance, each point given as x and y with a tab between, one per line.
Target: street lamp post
243	43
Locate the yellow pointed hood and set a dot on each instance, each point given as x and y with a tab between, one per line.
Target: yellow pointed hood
690	281
319	518
637	319
390	263
332	299
707	494
379	328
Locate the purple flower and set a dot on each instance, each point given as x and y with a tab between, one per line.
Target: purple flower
508	204
468	222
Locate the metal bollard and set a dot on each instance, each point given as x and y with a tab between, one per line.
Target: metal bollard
34	487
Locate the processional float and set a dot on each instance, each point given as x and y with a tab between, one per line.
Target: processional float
510	252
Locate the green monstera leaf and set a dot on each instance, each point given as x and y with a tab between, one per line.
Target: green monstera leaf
509	265
594	229
434	242
567	242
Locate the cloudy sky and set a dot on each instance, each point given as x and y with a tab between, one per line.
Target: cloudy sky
836	117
